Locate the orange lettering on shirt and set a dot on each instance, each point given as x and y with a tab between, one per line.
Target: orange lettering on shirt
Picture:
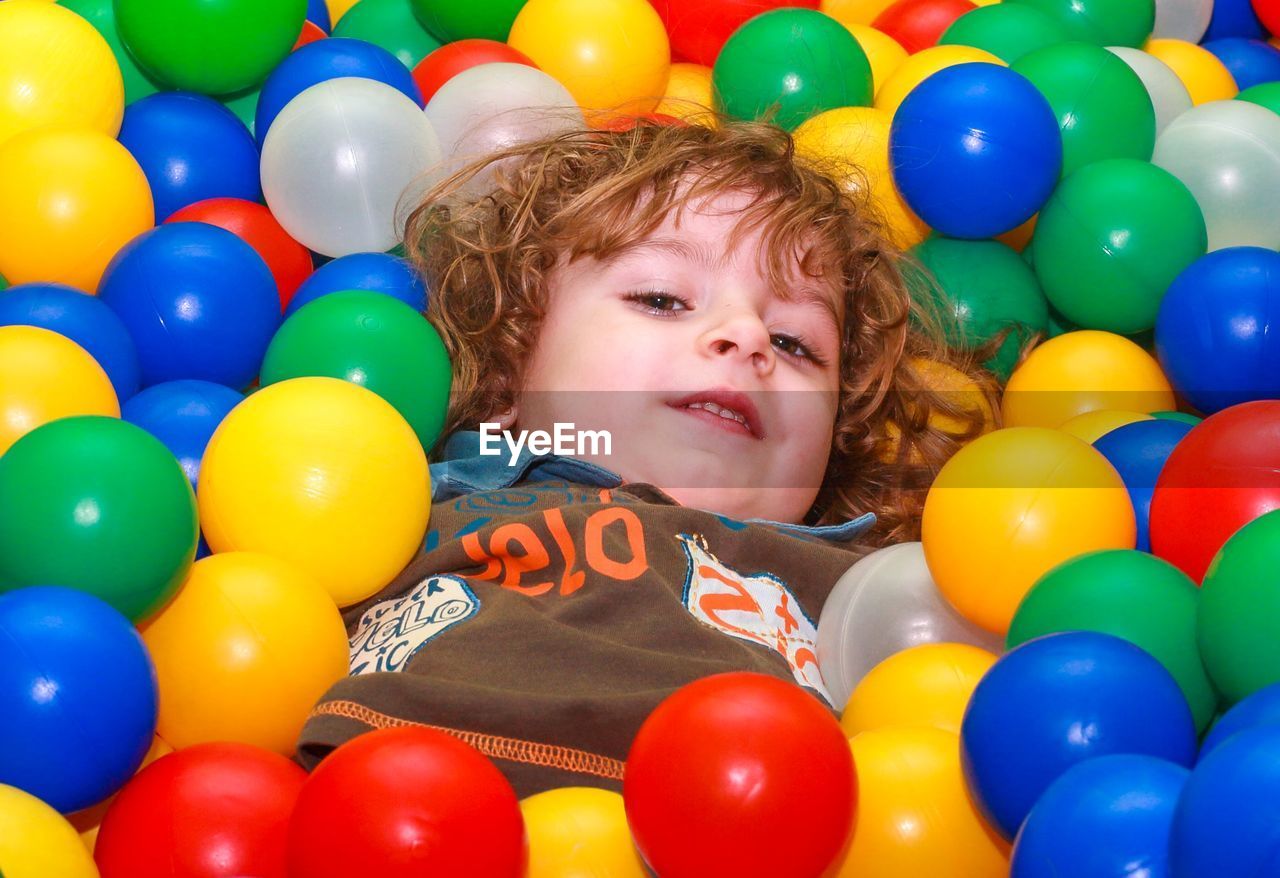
594	538
535	557
714	604
493	567
572	580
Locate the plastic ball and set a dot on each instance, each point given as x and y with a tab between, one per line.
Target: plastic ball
919	67
953	146
1112	239
323	198
288	261
1107	816
1092	426
1234	18
1262	708
379	272
1138	451
927	685
955	389
79	696
915	817
1102	22
579	831
450	21
1250	62
1268	13
686	801
311	33
699	28
884	604
918	24
81	318
1224	474
318	14
405	802
449	60
211	46
851	145
689	95
1226	817
198	301
788	65
1182	19
1228	154
1206	78
1006	30
883	52
1080	372
1169	96
55	69
612	55
323	473
854	11
182	415
36	841
391	25
984	288
206	811
69	199
1266	95
1025	724
101	14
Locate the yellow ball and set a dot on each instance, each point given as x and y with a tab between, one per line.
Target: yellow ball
1080	372
89	821
323	473
339	8
612	55
855	11
35	840
1206	78
244	651
883	51
55	69
955	387
579	832
927	685
1011	505
1018	238
45	376
1092	426
851	145
920	66
689	94
915	818
69	200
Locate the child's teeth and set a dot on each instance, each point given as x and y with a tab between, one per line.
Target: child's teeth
727	414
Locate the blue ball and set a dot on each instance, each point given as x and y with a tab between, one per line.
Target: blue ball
198	301
321	61
83	319
1251	62
376	272
1108	817
1212	332
1234	18
975	150
318	14
182	415
1262	708
191	148
1138	452
77	693
1226	823
1058	700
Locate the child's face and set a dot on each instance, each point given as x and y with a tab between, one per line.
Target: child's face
629	344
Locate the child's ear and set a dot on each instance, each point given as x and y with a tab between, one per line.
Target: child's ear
506	419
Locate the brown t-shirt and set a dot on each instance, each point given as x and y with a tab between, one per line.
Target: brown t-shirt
542	623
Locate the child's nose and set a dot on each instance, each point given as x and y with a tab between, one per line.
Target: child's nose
741	334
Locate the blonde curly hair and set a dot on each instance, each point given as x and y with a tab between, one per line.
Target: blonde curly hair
583	193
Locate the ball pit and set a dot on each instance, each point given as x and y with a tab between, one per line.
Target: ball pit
36	841
380	272
883	52
1182	19
101	14
1250	62
1169	97
1262	708
1234	18
446	62
183	415
1138	452
1266	95
451	21
927	685
1006	30
1206	78
918	24
699	28
1092	426
919	67
391	25
579	830
1101	22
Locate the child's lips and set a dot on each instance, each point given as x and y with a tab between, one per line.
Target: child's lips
729	425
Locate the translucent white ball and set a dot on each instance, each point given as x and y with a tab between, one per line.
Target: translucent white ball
1168	95
1182	19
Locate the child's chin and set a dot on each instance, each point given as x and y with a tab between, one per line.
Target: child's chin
774	504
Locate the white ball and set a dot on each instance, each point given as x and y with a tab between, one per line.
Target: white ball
1182	19
1168	95
343	164
885	603
1228	154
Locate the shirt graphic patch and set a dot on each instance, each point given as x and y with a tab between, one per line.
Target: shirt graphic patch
758	607
391	632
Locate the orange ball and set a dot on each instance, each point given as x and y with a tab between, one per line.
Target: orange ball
927	685
689	95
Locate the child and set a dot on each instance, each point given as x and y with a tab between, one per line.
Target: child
734	323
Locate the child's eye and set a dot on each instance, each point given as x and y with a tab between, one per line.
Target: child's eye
658	303
796	347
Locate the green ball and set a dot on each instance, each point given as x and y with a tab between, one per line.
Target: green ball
450	20
982	287
1239	629
244	105
4	284
1265	95
1101	22
97	504
1111	239
1182	417
216	47
786	65
1006	30
102	15
390	24
1128	594
1104	111
373	340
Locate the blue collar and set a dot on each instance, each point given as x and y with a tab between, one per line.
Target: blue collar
464	470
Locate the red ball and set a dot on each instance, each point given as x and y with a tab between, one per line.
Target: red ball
919	24
1221	476
289	261
1268	12
310	33
404	803
446	62
740	774
207	811
699	28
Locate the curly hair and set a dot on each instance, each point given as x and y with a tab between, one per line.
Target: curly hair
487	259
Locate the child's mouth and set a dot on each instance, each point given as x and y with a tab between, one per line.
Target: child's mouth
728	410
